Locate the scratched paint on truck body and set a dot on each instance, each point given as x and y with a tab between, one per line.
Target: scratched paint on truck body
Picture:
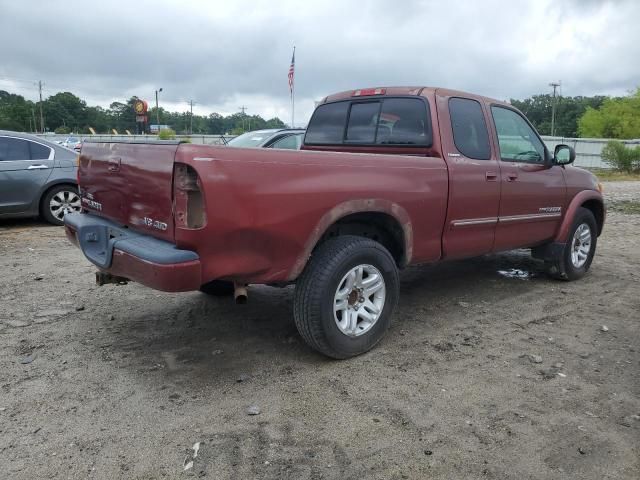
264	207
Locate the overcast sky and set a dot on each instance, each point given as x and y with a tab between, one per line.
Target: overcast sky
225	54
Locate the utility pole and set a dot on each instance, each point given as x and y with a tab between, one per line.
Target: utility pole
41	115
242	109
158	110
191	118
553	107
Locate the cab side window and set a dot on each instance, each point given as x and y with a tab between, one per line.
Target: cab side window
518	141
470	133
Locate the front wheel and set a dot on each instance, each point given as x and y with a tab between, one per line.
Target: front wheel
346	295
574	260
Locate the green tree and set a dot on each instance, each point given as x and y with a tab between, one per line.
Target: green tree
616	118
16	113
64	111
538	110
620	157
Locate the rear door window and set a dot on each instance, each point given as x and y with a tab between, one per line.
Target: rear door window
14	149
470	133
389	121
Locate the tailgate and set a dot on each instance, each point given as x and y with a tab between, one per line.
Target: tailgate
130	184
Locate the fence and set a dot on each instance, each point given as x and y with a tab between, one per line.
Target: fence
588	150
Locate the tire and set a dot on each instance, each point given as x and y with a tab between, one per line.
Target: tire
218	288
574	260
58	201
332	277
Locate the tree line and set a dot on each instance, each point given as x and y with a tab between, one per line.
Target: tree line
64	112
598	116
587	117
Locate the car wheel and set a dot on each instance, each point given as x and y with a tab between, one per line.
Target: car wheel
59	201
218	288
575	258
346	295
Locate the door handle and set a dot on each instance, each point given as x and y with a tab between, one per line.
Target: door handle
491	176
36	167
512	177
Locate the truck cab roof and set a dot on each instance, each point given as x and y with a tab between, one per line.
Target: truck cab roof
403	91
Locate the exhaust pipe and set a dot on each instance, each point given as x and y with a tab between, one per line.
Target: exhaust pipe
240	293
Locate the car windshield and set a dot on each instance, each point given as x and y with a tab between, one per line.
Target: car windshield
251	139
72	140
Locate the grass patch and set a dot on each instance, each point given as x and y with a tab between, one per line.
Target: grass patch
625	206
612	175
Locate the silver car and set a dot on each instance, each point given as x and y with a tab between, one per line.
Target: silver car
37	177
287	138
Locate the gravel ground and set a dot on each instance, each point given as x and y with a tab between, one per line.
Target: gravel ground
482	375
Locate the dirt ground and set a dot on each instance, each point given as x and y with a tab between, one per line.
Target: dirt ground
481	375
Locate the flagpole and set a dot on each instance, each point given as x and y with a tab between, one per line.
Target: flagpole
293	95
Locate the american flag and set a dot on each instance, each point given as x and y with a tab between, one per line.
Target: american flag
292	70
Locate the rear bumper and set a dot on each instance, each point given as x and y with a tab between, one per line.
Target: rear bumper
124	253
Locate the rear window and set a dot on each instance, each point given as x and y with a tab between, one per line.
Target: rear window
363	120
389	121
327	124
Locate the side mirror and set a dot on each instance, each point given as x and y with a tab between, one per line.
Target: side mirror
563	155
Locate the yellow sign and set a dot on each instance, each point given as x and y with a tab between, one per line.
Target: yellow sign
140	107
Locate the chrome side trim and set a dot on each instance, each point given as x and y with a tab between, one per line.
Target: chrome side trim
468	222
524	218
474	221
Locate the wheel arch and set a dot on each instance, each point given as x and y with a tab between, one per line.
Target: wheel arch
380	220
589	199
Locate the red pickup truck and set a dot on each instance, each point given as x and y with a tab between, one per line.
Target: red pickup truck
387	177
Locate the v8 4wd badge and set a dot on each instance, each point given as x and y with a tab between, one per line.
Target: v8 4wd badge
157	224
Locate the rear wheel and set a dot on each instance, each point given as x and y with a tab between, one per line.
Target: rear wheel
346	295
59	201
574	260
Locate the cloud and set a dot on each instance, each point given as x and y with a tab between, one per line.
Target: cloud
227	54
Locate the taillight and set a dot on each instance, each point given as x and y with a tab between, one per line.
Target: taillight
187	197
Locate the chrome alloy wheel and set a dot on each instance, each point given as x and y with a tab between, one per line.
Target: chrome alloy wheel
359	300
63	202
580	245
